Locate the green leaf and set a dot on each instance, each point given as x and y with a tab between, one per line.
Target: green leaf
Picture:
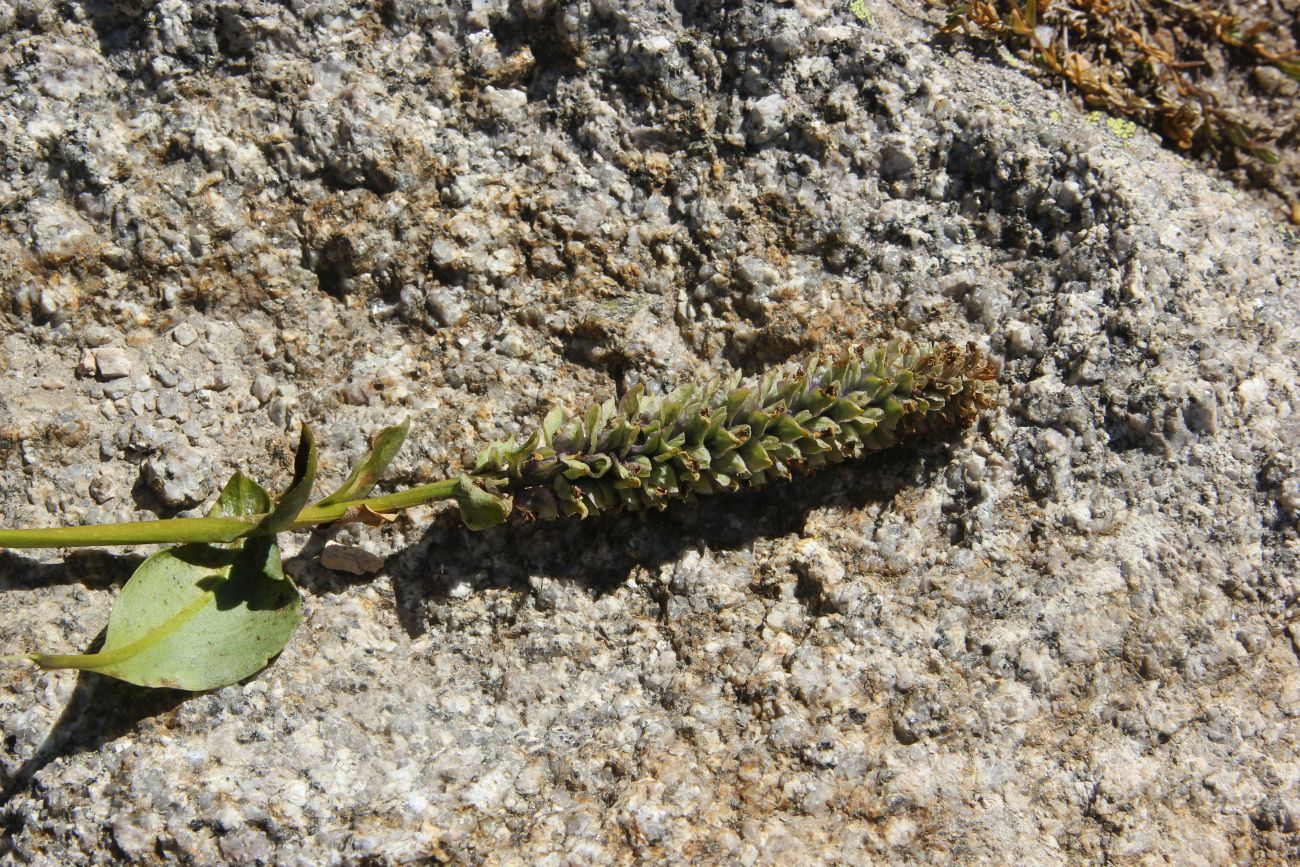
494	458
295	499
521	453
199	616
1265	155
366	474
241	496
552	423
755	456
480	509
195	617
574	468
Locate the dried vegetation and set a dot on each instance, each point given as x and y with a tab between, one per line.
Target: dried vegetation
1218	80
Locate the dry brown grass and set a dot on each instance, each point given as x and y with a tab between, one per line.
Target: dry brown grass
1189	71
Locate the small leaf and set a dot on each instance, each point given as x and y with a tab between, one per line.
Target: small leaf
574	468
552	423
594	423
735	403
480	509
365	475
618	437
630	404
195	617
294	499
522	453
570	436
730	464
363	514
241	496
755	456
1265	155
494	458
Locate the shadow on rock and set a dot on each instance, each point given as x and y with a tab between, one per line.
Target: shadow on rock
598	554
601	552
90	567
117	23
100	710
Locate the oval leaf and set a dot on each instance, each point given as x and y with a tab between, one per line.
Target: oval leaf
240	497
371	469
195	617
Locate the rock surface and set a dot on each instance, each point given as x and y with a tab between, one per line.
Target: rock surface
1070	636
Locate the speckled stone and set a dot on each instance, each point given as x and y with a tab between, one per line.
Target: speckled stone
1067	637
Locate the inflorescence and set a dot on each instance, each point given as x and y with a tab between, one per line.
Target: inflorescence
645	451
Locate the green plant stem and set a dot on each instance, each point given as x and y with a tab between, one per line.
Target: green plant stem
213	529
417	496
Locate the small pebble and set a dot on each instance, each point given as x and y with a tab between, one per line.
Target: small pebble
350	559
263	388
112	363
184	334
178	475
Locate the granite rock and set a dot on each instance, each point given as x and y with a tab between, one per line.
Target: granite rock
1067	636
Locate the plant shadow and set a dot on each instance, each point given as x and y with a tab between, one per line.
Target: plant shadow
598	554
90	567
602	552
101	709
